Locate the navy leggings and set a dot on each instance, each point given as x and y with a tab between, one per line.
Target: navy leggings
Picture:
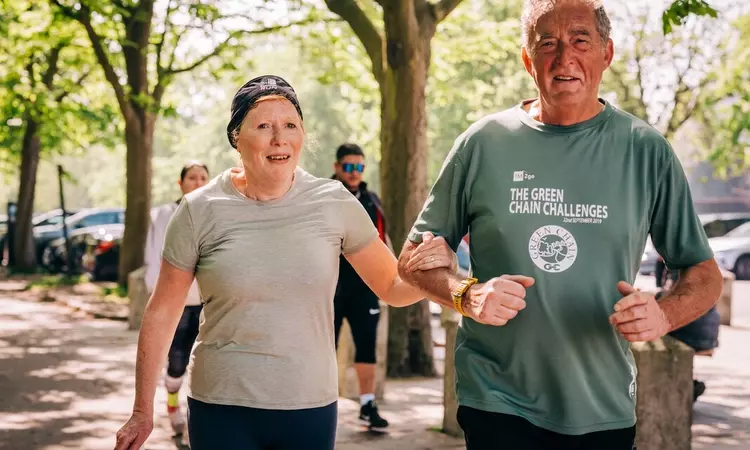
223	427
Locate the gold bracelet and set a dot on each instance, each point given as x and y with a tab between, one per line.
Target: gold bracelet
457	305
458	294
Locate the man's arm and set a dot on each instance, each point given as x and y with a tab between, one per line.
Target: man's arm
695	292
492	303
639	317
439	283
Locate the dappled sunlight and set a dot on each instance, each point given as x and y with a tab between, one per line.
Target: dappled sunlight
71	379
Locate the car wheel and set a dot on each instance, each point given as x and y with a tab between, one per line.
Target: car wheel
742	268
47	259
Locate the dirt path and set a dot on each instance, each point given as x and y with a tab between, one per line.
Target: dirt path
66	382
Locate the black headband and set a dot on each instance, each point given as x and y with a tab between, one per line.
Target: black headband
251	92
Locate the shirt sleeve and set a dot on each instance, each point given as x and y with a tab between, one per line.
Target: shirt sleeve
676	230
445	211
358	229
180	247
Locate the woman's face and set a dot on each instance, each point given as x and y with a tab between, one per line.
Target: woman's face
270	141
195	177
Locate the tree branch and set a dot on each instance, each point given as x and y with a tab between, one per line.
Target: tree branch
442	9
30	73
77	82
218	49
52	59
365	30
160	44
178	38
66	10
84	17
221	46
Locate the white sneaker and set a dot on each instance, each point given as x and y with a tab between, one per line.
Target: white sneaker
177	421
186	437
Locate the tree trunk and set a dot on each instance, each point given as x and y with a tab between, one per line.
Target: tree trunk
404	174
23	242
139	136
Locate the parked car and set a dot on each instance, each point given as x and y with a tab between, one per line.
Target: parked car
102	255
732	251
83	243
43	235
715	225
53	217
49	218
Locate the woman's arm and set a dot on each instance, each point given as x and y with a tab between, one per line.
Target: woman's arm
378	268
160	320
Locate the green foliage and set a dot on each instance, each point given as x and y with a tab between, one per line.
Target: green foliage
680	10
55	281
116	291
476	69
726	116
473	74
48	75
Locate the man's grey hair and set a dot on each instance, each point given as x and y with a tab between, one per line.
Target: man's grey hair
534	9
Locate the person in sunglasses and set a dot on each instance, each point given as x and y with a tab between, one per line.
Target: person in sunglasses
264	245
354	300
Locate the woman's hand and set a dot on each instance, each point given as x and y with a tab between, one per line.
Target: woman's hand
432	253
134	433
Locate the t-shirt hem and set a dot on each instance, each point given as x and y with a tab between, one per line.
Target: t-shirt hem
260	405
546	424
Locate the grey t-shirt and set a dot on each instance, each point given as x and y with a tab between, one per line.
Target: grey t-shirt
267	273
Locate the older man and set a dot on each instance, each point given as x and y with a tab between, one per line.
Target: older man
561	191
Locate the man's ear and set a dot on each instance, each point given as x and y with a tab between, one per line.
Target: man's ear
609	52
526	58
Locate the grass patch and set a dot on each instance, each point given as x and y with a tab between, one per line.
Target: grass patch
117	291
53	281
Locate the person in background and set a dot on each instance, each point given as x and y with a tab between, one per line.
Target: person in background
193	175
354	300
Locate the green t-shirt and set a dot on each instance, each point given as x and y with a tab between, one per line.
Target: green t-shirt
572	207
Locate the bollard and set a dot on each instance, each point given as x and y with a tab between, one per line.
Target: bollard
138	295
664	399
724	305
449	319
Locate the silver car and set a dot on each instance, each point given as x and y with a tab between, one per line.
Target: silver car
732	251
715	225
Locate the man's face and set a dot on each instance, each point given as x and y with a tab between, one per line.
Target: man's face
347	170
566	55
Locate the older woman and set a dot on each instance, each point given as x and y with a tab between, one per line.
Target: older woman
263	243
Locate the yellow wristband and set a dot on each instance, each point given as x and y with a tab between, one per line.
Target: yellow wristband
457	304
458	294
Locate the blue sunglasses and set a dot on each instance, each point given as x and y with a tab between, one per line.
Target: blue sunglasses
349	167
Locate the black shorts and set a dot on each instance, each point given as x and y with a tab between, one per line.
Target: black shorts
227	427
485	430
362	310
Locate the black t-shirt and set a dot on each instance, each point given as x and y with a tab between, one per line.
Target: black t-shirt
349	283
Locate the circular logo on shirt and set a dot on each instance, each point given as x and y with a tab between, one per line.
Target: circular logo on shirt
553	249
